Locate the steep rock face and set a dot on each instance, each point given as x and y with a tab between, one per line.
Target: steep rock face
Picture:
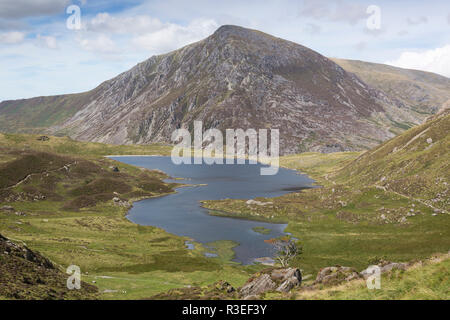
236	78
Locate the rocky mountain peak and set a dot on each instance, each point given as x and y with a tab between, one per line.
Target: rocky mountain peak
235	78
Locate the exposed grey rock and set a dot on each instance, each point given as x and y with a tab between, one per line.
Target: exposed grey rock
288	285
389	267
385	267
367	272
335	275
20	250
118	202
282	280
238	78
258	286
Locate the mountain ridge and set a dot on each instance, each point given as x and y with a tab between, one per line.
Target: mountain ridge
419	89
235	78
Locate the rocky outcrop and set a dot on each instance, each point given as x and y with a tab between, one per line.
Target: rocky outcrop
220	290
385	267
13	249
335	275
257	286
26	274
331	276
281	280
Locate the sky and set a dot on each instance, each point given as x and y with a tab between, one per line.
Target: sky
47	48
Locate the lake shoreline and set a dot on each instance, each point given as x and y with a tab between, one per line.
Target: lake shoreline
182	214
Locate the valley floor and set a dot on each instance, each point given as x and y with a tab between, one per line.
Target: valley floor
337	224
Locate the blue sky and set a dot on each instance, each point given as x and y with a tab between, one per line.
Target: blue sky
39	55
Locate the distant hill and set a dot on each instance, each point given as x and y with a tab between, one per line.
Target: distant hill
421	92
236	78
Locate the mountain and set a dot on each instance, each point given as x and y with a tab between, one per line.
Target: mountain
422	93
236	78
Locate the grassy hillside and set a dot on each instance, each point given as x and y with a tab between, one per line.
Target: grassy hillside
422	280
71	206
422	92
66	145
415	164
28	275
377	204
371	206
40	113
425	280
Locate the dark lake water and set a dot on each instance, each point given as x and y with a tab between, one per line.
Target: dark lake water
181	213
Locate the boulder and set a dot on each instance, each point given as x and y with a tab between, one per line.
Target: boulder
289	278
288	285
282	280
258	286
122	203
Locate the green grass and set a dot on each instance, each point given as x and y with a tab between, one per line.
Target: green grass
37	114
78	223
65	145
353	235
318	165
422	282
352	219
349	221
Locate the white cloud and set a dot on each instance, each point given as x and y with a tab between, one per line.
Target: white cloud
417	21
47	41
12	37
173	36
100	44
104	22
312	29
360	46
435	60
334	10
145	32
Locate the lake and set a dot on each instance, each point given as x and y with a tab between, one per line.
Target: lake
181	213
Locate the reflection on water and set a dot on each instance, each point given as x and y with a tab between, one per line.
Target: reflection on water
182	215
